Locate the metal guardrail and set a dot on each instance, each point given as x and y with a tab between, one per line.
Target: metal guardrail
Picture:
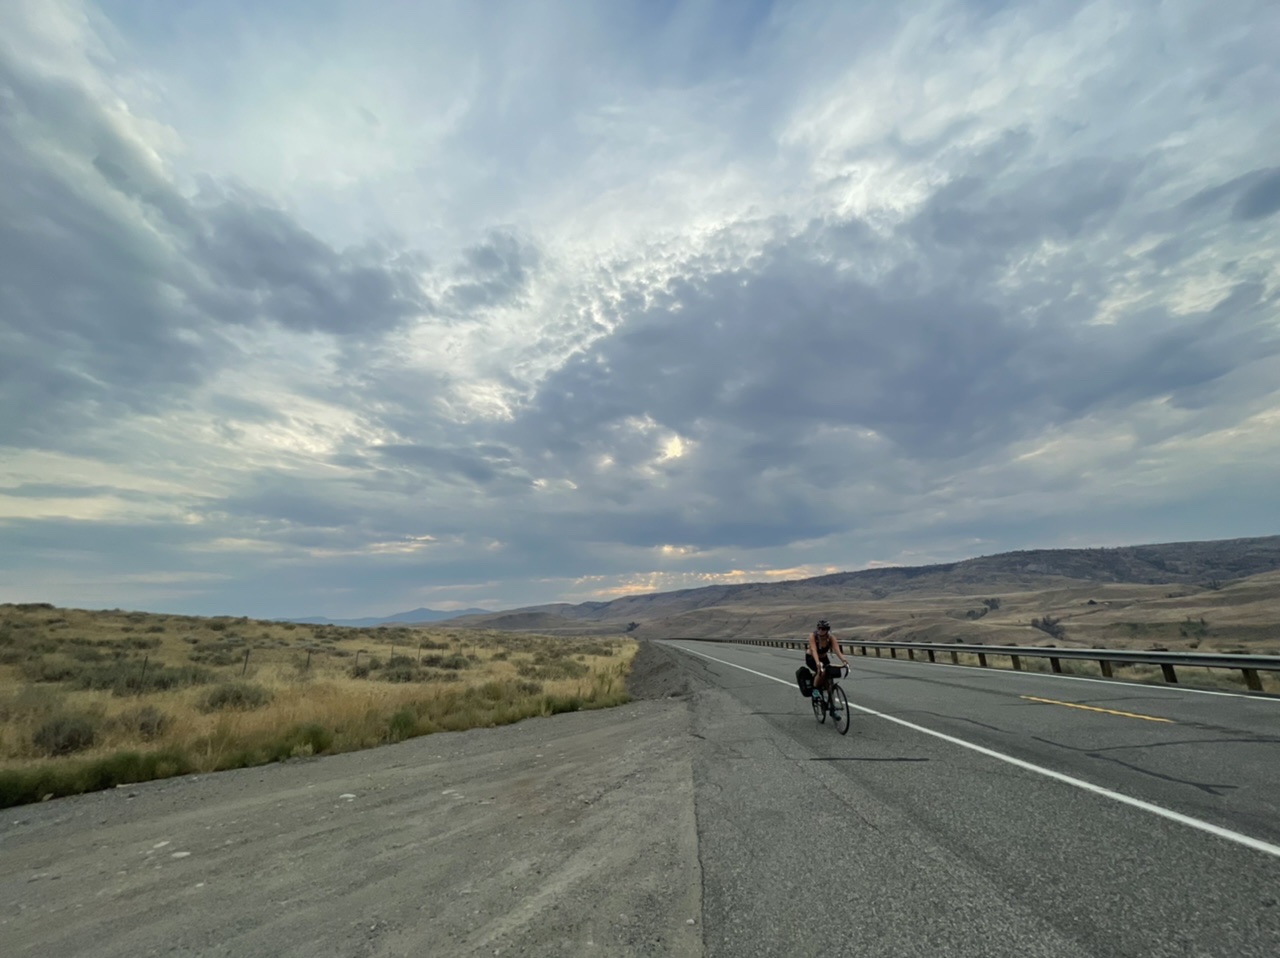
1248	665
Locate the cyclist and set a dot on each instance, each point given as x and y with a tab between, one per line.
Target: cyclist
818	657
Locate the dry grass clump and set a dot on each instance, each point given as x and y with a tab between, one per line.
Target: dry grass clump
95	699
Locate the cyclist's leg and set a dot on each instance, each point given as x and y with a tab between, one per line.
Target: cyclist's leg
813	667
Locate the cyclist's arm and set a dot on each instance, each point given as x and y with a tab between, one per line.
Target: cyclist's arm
813	650
835	645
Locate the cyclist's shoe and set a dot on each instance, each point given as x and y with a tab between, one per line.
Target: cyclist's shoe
835	714
817	696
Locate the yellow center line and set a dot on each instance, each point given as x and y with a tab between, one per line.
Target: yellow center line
1094	708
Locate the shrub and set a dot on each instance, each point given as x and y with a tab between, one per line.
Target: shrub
126	677
403	725
148	722
217	626
1050	626
402	673
302	741
1194	630
64	734
235	695
42	670
456	662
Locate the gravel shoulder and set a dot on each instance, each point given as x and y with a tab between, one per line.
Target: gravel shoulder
570	835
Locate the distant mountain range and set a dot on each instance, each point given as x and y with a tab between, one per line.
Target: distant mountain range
400	618
768	607
730	609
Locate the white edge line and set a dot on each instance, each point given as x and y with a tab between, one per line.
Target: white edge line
1255	843
1051	675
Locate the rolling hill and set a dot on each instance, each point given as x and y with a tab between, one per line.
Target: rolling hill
1132	593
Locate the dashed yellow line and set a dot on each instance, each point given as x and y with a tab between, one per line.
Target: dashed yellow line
1094	708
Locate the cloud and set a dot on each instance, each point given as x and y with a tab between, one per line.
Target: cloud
1261	198
332	315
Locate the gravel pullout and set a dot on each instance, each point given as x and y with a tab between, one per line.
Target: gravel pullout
572	835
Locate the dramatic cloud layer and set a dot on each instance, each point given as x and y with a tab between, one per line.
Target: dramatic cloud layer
338	308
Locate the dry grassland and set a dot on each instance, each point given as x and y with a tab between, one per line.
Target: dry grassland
92	700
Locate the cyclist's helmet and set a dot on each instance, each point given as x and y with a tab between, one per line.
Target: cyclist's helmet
824	625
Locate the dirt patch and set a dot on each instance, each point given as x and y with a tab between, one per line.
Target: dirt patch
564	836
657	673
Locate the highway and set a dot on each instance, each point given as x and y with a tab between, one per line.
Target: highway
981	812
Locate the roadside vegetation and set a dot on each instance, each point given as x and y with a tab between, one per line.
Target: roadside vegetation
92	700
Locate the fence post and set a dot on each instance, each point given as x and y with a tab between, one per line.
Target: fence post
245	668
307	667
142	679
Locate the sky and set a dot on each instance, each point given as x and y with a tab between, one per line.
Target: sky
321	307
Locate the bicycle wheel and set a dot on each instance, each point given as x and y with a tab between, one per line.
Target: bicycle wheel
819	709
842	704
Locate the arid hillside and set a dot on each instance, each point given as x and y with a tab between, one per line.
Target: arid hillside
1220	595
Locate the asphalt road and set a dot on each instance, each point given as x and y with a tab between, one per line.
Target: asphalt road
906	838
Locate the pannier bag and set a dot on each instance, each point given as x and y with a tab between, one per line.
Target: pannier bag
804	678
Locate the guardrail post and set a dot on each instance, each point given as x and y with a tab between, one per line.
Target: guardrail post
1170	675
1017	663
1251	680
1055	664
893	653
911	654
955	658
1106	668
982	659
877	651
931	658
863	649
